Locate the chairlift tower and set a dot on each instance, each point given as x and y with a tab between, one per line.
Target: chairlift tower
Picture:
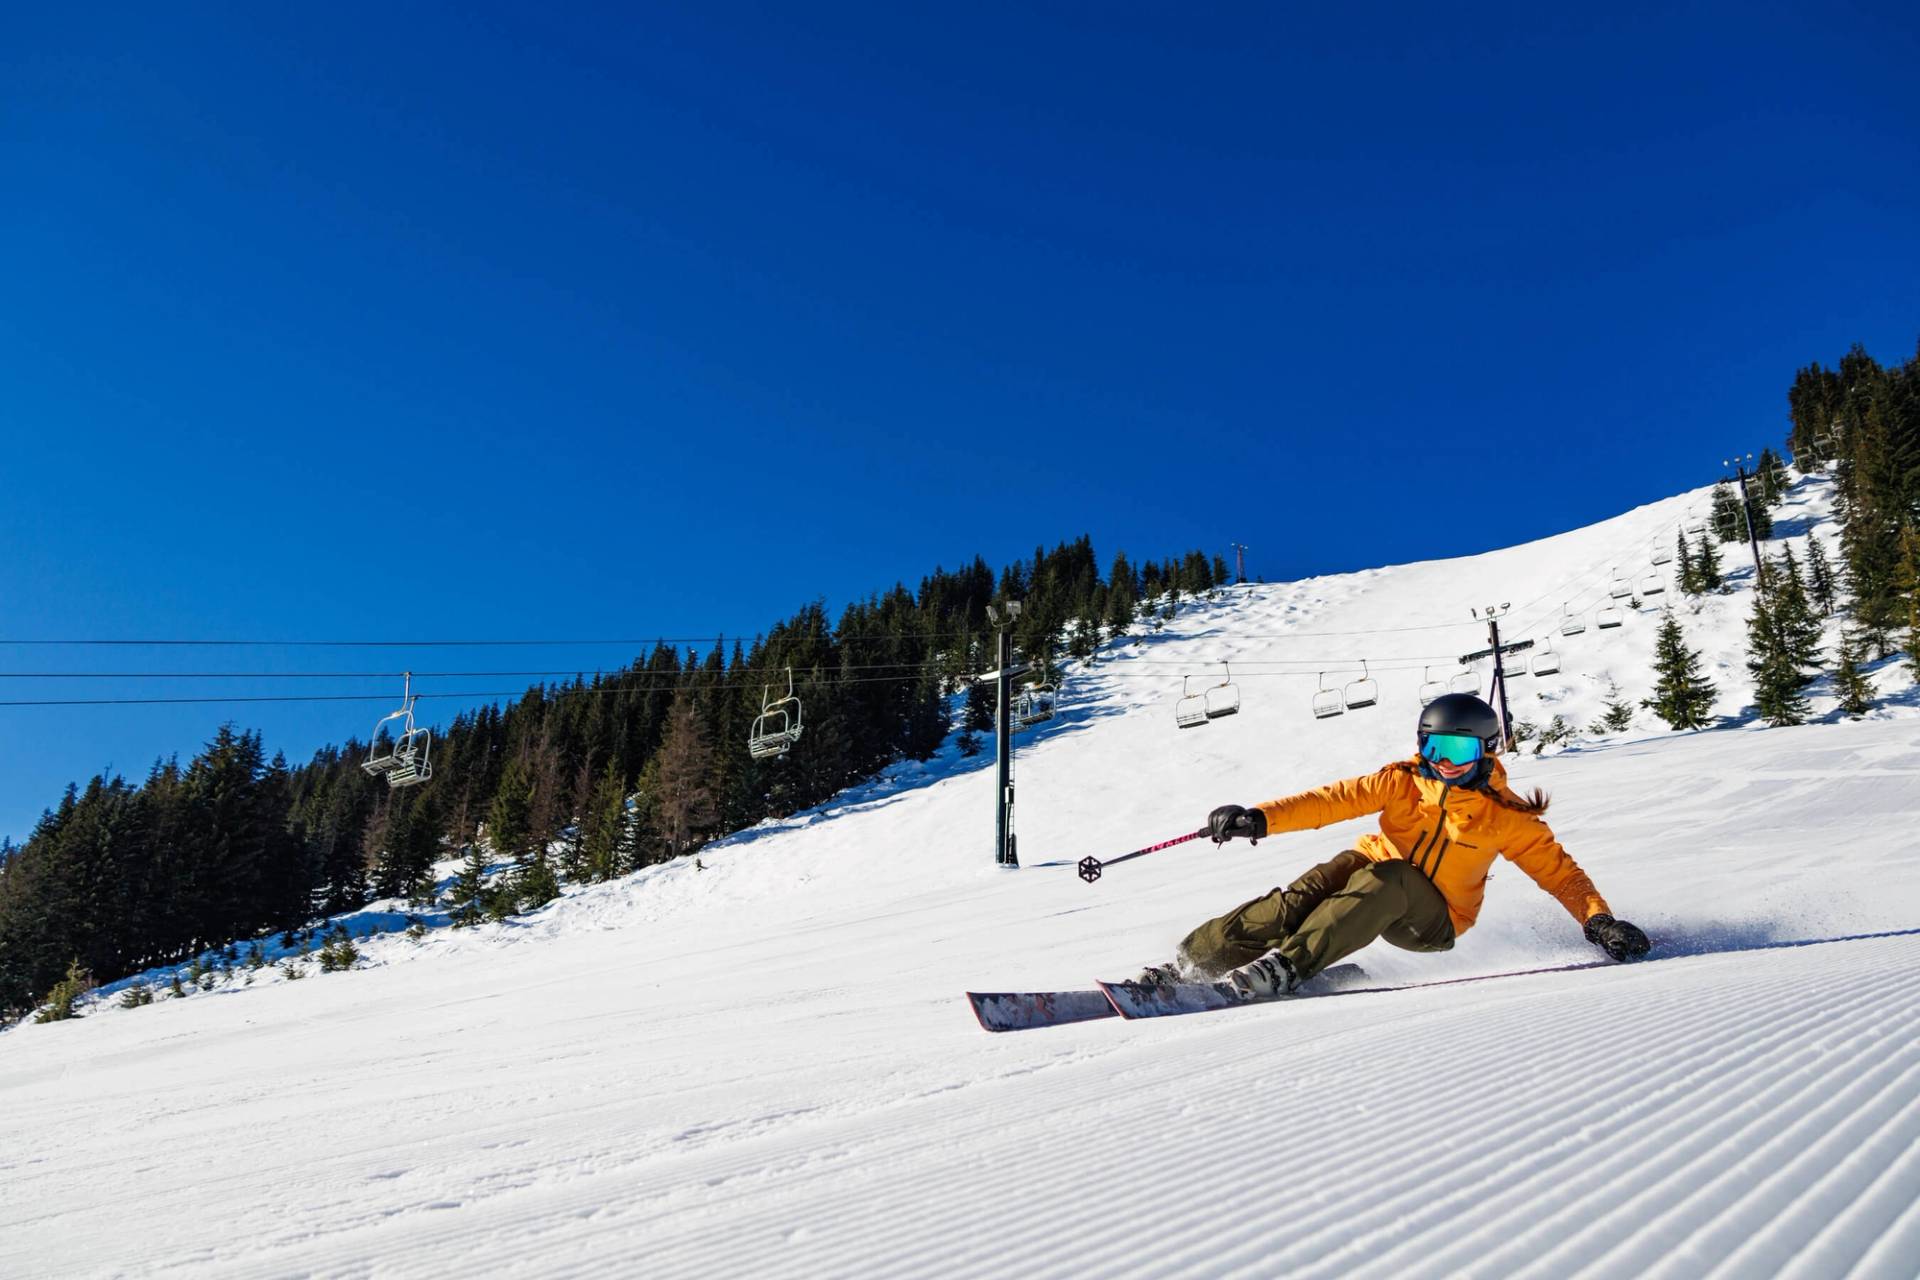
1239	562
1003	617
1491	615
1739	464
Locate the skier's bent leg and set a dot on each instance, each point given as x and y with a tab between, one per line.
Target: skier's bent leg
1427	925
1392	898
1254	928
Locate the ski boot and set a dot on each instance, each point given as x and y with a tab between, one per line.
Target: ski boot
1266	977
1170	974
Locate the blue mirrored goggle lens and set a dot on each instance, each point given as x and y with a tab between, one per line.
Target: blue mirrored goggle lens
1454	748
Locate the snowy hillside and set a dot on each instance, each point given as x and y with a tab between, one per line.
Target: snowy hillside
766	1065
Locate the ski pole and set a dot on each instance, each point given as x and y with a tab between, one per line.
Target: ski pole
1090	868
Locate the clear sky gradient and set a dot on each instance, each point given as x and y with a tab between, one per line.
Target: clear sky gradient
424	322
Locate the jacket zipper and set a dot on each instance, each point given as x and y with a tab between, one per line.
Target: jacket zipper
1434	835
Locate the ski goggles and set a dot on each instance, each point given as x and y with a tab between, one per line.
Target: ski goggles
1453	748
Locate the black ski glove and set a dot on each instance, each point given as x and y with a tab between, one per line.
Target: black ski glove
1231	820
1617	938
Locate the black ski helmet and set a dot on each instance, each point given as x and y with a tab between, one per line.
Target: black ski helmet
1464	714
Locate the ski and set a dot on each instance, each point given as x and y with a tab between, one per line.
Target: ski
1141	1000
1019	1010
1024	1010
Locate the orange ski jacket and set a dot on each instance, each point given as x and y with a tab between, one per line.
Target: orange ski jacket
1451	833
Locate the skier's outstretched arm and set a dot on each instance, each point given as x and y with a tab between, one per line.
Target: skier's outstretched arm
1323	806
1537	853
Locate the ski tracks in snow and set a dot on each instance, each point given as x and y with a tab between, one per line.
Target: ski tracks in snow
1721	1115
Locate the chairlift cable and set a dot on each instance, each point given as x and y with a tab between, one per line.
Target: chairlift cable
647	643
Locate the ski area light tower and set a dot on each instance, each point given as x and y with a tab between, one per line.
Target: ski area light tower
1003	616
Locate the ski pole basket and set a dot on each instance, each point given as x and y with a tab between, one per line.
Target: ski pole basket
778	725
403	759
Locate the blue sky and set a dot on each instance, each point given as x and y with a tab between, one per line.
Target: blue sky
426	322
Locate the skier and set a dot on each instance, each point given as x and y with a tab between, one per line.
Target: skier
1444	816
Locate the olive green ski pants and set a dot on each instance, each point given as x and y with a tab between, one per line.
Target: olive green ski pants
1326	915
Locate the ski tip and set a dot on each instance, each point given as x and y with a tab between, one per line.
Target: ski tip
1023	1010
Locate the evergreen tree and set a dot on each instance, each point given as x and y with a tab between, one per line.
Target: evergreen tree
1771	478
1908	584
607	833
469	895
1728	521
1688	578
534	882
1706	565
1878	475
339	954
509	818
979	708
1777	681
1682	696
1793	617
1850	683
686	809
60	1000
1757	514
1821	588
1618	716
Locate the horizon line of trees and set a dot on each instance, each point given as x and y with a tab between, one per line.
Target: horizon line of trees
582	780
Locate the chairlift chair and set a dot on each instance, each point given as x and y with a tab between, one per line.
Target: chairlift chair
1608	617
1571	623
1223	699
1546	662
1662	554
1327	702
778	725
410	759
403	760
1622	586
1826	445
1429	687
1190	712
1033	706
1467	681
1652	584
1513	666
1362	692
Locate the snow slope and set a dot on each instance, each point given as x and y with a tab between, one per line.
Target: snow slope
766	1065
